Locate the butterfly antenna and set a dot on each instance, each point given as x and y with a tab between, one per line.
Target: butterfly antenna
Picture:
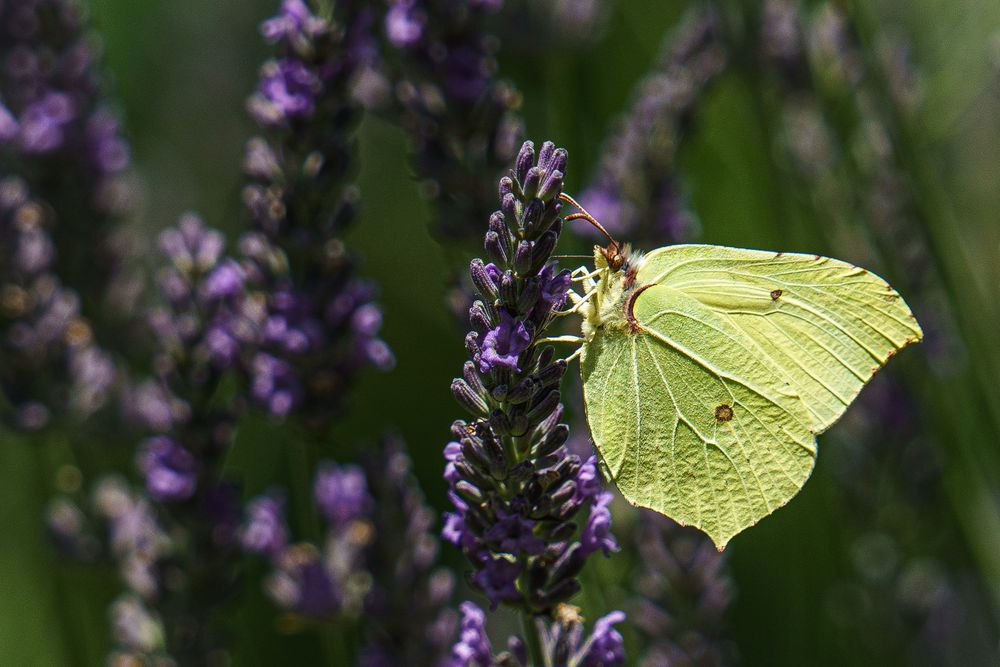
584	215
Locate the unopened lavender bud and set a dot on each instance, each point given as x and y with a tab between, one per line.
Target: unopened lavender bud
500	423
525	159
508	206
552	185
562	531
551	373
545	356
559	159
532	217
522	257
530	184
521	392
479	318
472	472
495	251
563	493
508	290
499	393
568	565
507	187
469	399
472	377
483	281
552	441
519	425
545	155
529	296
472	345
544	407
469	492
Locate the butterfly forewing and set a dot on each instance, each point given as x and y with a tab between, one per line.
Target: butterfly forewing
689	418
826	325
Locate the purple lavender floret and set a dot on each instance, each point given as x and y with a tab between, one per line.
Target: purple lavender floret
503	344
473	646
264	531
341	493
519	495
169	469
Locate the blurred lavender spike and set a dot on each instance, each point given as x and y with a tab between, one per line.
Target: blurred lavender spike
636	192
320	325
889	476
205	330
461	119
378	560
61	133
685	592
51	368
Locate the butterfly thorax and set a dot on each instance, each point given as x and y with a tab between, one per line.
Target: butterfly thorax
608	307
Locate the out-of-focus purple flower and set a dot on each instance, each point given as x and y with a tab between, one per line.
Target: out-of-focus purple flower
169	469
635	192
294	23
264	531
503	344
274	384
289	89
42	123
225	281
597	531
341	492
607	647
473	646
8	125
404	23
302	583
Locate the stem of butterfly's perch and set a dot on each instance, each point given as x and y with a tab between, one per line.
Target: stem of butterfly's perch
531	640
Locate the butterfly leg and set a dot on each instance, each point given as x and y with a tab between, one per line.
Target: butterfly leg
581	274
578	302
560	339
575	354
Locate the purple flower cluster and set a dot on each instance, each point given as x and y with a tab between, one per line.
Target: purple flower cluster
317	581
378	558
519	496
563	642
58	132
438	60
635	192
683	591
320	324
52	368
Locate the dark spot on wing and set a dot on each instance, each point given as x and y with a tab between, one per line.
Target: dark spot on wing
723	413
776	294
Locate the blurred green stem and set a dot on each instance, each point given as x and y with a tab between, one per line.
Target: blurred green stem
529	626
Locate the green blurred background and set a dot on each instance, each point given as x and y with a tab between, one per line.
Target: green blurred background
182	71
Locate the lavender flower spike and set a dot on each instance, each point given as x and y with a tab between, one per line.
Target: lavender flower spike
527	512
